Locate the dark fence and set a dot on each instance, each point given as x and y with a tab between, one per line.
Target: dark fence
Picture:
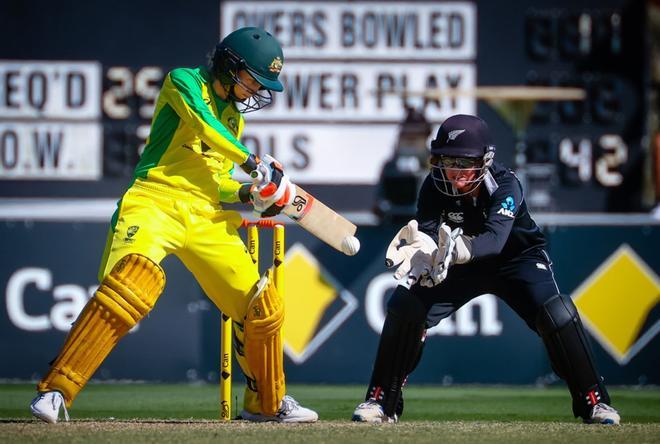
335	307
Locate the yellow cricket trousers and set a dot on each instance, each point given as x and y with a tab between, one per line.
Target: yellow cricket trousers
155	220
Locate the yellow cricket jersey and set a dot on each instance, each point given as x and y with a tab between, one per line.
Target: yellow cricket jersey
194	138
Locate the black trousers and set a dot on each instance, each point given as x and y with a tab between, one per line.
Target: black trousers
524	283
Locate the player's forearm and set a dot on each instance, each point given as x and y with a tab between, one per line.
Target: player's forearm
499	223
490	242
234	151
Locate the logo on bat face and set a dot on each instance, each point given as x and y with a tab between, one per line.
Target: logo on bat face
300	203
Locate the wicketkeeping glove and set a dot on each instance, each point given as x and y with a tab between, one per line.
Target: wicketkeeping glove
453	248
411	251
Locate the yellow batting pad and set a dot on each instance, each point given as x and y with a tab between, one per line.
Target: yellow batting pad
263	344
250	397
124	297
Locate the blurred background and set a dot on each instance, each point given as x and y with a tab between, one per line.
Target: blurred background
78	83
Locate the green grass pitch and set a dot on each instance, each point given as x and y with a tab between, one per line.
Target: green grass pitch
141	413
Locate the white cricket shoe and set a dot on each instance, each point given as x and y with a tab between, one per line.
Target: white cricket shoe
46	406
602	413
371	411
290	411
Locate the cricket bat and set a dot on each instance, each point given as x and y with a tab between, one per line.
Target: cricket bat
324	223
314	216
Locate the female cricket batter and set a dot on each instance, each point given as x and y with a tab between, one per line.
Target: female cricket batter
173	206
473	235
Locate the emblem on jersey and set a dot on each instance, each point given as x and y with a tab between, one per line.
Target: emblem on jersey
454	134
233	124
508	207
130	232
275	65
456	217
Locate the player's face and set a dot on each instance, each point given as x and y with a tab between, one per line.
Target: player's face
462	172
246	87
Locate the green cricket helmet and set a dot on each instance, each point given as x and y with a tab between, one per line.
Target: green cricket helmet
260	54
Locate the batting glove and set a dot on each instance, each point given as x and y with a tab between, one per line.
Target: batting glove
271	189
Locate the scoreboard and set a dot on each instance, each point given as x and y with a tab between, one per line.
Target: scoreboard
589	154
75	109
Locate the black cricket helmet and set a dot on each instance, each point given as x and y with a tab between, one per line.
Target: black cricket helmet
463	144
255	51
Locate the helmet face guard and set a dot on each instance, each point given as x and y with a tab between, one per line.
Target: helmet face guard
456	166
227	64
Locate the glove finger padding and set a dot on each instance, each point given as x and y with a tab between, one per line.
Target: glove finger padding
463	248
411	251
445	256
421	264
394	255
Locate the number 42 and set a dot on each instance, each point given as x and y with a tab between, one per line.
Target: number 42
581	156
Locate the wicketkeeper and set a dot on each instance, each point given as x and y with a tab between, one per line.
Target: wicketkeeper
174	206
472	234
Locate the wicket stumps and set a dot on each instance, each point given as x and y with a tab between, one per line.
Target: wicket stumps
226	334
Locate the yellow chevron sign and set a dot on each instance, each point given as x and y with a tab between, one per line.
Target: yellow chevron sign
315	304
615	303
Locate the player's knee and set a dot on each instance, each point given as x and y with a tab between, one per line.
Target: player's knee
555	313
406	305
265	313
236	296
131	288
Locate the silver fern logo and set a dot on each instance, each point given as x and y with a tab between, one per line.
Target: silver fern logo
454	134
